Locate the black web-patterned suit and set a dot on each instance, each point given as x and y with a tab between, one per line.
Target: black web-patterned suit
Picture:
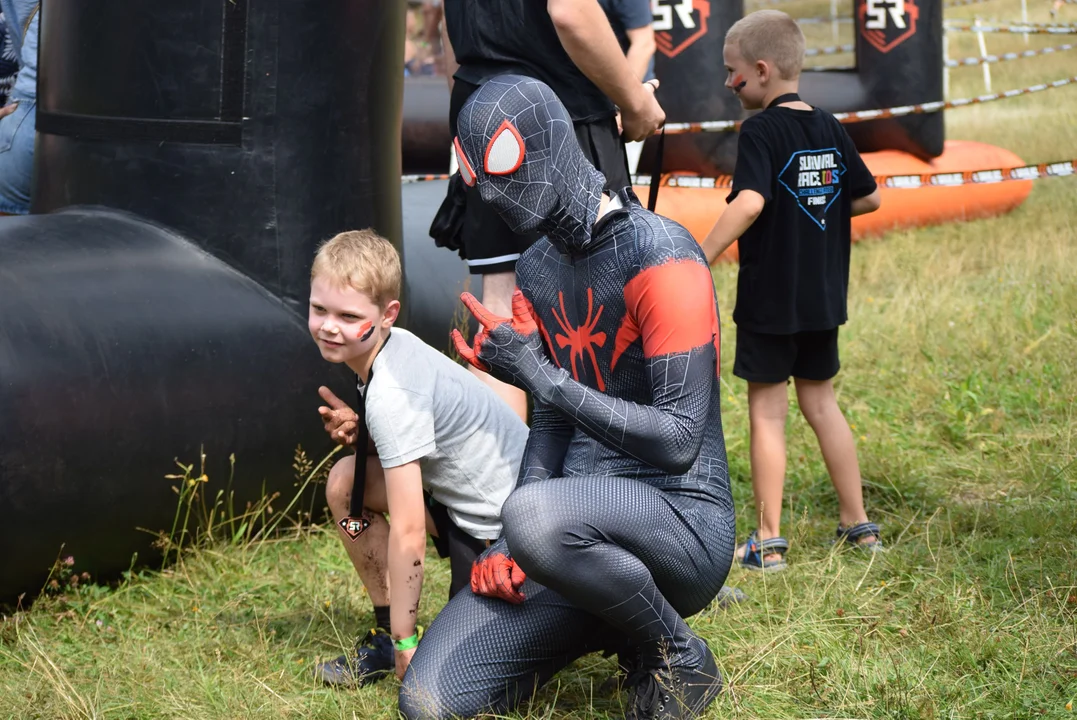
623	511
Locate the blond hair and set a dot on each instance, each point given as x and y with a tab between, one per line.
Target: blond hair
363	260
773	36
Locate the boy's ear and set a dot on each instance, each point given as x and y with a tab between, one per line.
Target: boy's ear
392	311
762	70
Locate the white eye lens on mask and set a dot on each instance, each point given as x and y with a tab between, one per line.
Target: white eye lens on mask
466	173
505	153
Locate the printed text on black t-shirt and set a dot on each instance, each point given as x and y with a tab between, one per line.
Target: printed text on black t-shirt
814	179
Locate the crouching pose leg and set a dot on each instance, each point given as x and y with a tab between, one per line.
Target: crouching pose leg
622	517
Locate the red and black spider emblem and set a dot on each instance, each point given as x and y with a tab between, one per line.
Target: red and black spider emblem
582	339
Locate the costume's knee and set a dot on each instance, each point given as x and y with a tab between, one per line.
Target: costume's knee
516	509
540	532
338	487
418	701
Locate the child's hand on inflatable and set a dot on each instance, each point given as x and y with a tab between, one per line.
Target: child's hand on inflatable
495	574
510	349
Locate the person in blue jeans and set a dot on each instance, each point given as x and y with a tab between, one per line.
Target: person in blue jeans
9	61
17	117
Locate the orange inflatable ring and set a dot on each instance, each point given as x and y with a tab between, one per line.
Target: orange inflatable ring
698	209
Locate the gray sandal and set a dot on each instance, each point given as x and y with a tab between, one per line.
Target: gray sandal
758	549
853	534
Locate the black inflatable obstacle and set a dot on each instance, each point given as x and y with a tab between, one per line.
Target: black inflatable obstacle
122	347
691	69
425	141
900	62
256	129
191	154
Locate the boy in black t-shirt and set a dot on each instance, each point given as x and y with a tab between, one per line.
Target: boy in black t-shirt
798	182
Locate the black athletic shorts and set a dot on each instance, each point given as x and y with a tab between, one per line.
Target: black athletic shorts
489	245
765	358
455	544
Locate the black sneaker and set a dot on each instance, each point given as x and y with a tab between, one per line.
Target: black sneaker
372	661
629	664
676	693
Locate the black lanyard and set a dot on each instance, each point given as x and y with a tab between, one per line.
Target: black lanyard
656	172
788	97
357	520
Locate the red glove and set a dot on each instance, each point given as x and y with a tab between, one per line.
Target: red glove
500	339
498	575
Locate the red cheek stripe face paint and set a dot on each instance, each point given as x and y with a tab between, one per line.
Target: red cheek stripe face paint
365	331
738	83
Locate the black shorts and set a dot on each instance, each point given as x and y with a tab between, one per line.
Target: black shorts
490	246
765	358
455	544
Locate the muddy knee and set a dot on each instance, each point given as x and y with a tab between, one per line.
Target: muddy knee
338	487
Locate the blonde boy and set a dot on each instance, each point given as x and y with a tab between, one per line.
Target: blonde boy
447	448
798	182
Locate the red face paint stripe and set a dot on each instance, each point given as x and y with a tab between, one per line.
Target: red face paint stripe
365	331
673	306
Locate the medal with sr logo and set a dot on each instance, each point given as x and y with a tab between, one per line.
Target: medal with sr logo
353	527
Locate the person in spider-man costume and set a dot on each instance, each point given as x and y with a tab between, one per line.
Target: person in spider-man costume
622	522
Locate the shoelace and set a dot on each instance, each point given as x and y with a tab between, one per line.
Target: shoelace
649	698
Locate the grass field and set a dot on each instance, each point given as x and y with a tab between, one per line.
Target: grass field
960	380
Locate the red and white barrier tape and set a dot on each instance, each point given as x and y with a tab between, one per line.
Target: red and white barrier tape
772	2
821	20
831	50
1062	168
901	182
1017	29
961	3
980	177
409	179
864	115
1008	56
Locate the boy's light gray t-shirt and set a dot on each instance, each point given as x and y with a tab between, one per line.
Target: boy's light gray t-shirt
420	405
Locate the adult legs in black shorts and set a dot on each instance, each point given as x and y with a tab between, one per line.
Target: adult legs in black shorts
665	554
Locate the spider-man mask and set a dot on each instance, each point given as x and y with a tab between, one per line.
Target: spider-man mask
515	140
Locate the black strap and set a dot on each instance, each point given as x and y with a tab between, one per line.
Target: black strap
357	521
362	440
656	172
788	97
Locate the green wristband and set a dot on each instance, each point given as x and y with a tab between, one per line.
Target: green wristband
407	643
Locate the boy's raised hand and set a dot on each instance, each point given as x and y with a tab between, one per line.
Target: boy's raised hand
340	421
